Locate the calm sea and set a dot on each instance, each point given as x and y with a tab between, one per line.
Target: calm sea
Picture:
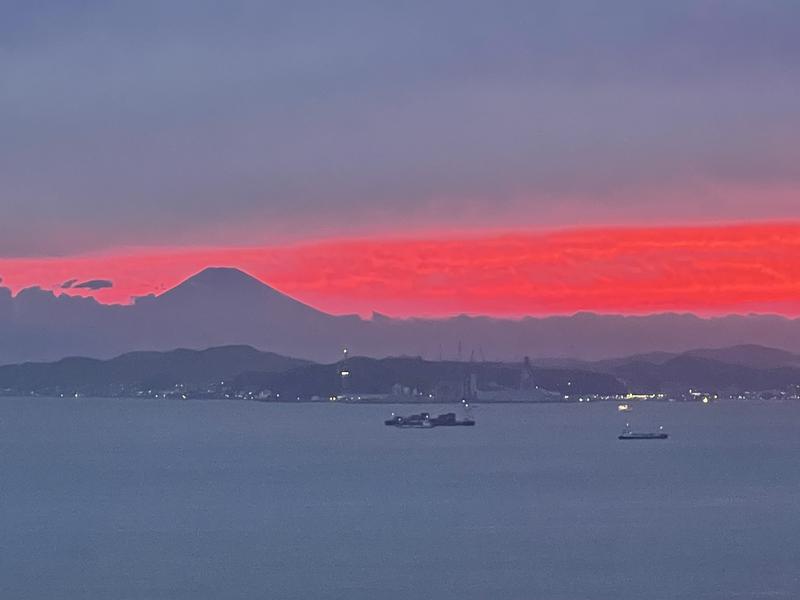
116	499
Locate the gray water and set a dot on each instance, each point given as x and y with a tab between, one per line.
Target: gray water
134	499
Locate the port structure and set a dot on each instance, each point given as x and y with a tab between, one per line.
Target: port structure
344	374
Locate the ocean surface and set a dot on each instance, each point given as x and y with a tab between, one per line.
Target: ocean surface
133	499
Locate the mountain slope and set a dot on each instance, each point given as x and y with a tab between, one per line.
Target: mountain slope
163	369
216	307
686	372
224	306
233	289
749	355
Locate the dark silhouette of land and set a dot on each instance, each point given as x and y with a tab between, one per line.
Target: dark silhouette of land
144	370
244	372
223	306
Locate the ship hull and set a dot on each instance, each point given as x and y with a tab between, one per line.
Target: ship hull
425	421
428	425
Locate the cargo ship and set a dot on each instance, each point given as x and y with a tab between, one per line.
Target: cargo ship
425	421
627	434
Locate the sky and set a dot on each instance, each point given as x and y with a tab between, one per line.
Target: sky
446	156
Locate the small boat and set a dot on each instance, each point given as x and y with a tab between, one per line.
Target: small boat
624	407
627	434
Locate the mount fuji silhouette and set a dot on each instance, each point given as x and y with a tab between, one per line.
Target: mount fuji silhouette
225	306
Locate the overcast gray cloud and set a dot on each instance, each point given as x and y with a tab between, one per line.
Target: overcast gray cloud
195	121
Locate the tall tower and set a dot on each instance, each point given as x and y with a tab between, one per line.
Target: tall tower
526	375
344	374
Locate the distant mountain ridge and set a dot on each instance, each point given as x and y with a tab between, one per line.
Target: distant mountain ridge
225	306
240	368
686	372
749	355
745	367
158	369
229	368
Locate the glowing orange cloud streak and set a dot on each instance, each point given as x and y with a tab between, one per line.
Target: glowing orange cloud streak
708	270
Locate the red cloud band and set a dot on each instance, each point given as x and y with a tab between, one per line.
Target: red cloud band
708	270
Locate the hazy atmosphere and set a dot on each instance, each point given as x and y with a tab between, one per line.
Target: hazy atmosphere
248	130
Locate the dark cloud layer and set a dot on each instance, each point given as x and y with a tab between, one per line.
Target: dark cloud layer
244	121
94	284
